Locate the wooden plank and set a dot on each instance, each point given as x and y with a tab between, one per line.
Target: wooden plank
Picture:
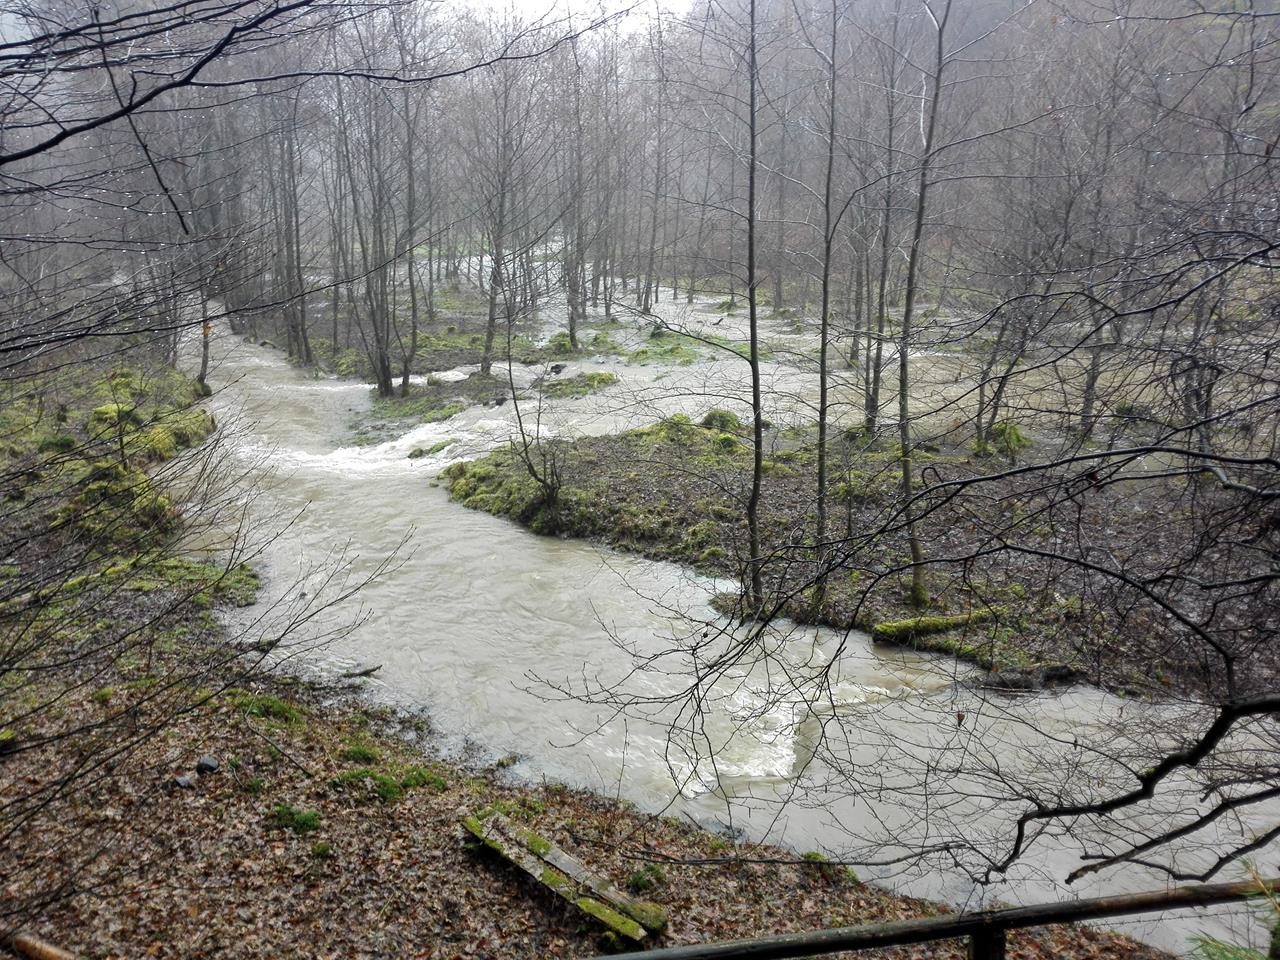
567	877
644	912
31	946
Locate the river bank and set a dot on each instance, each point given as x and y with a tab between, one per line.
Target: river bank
324	832
475	609
167	793
676	491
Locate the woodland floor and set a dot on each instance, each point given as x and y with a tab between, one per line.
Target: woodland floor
327	829
290	850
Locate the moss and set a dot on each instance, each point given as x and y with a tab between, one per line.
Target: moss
431	402
385	787
537	845
905	631
345	361
444	413
676	428
58	443
722	421
702	534
361	753
321	850
649	915
104	695
603	343
155	443
611	918
711	557
560	344
116	415
189	427
553	878
435	448
205	582
286	817
123	509
666	348
389	787
265	706
416	776
727	443
861	486
493	486
580	385
832	871
524	808
646	878
1004	438
773	467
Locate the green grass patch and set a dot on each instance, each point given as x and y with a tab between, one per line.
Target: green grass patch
286	817
580	384
388	786
361	753
264	706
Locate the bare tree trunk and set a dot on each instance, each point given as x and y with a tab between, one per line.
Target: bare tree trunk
824	335
755	573
919	594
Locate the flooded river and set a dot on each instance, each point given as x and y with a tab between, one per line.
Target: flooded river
474	608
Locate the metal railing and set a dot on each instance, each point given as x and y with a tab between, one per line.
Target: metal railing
986	929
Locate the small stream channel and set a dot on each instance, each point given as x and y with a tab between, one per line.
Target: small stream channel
474	607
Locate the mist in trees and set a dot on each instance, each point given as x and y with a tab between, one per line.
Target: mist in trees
1025	252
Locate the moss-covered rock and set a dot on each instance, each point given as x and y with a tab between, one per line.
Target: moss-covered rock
117	415
722	421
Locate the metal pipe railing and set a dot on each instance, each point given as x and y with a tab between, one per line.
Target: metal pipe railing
985	929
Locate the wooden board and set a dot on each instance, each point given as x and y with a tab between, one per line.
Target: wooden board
568	877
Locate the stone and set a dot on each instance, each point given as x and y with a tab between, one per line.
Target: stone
207	764
185	782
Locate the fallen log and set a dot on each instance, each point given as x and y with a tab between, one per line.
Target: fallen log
568	877
30	946
358	674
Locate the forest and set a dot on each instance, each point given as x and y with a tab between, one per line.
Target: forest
816	461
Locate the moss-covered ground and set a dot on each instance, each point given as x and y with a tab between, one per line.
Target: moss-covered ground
677	490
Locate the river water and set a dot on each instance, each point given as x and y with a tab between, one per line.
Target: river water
481	623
